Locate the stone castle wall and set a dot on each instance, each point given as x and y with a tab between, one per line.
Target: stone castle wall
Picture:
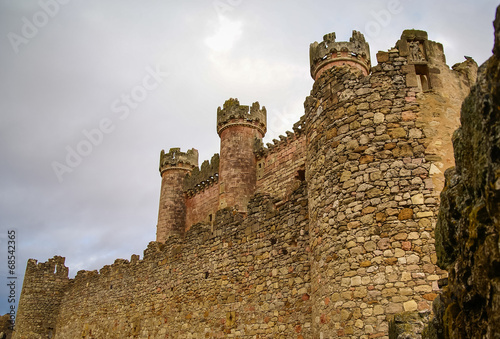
468	229
43	289
372	201
249	277
337	239
202	206
279	167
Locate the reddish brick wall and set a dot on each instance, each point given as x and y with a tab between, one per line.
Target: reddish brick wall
237	168
339	63
277	170
201	205
172	211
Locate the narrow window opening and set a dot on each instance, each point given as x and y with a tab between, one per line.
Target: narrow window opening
422	72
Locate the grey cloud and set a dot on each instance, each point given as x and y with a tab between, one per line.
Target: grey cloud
65	79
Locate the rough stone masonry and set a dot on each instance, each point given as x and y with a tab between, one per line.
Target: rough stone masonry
325	233
468	228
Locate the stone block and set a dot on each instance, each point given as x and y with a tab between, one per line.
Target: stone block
382	56
410	306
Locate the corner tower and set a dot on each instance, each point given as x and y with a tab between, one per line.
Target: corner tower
376	144
328	53
174	166
238	126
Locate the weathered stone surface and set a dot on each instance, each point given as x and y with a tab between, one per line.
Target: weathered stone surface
408	325
5	326
211	283
468	229
323	233
379	192
174	166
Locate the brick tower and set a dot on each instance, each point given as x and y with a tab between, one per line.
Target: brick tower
174	166
328	53
238	126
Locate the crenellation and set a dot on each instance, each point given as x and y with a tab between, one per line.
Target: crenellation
43	289
238	127
278	145
83	275
199	179
54	266
326	232
329	53
177	159
175	168
232	113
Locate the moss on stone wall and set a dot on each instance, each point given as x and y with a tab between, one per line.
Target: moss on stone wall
468	229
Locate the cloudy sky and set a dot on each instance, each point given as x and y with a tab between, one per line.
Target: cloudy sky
92	90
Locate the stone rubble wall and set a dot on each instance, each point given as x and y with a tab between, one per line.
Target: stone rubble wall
43	288
279	167
247	278
373	201
337	240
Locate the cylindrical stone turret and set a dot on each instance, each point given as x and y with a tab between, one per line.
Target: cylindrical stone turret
238	127
174	166
328	53
375	146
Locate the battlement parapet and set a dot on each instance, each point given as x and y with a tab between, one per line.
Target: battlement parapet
201	178
356	179
53	266
232	113
261	151
329	53
84	275
177	159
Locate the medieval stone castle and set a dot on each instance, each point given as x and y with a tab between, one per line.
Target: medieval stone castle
326	233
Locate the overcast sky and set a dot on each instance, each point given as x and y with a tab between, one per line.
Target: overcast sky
92	90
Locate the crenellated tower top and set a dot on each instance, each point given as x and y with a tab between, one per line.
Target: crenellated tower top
328	53
232	113
175	159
